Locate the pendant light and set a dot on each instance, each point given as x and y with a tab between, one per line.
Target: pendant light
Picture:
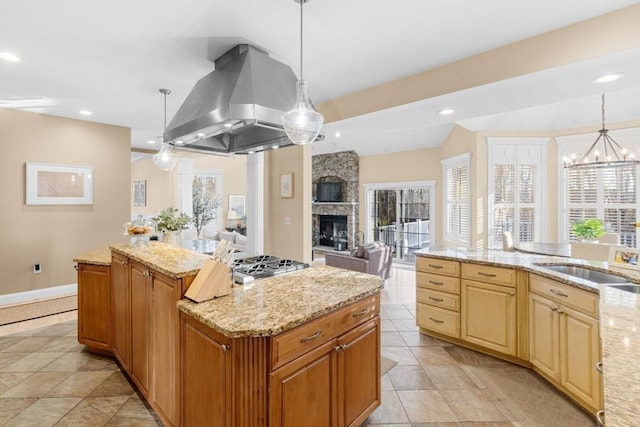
613	155
302	123
164	159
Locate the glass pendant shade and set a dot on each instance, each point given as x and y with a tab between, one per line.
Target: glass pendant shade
302	123
164	159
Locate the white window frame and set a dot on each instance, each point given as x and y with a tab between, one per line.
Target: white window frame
578	145
464	161
522	151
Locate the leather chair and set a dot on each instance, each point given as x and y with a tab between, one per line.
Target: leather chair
372	258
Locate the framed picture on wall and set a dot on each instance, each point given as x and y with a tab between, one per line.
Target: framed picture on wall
236	206
48	184
286	185
140	193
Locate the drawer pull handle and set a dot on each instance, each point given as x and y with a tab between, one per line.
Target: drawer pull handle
436	320
600	418
311	337
436	299
361	312
224	348
76	267
436	283
558	293
599	367
436	266
486	274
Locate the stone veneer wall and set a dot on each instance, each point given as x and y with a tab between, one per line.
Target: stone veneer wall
343	167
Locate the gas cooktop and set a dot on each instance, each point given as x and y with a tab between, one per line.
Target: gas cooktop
265	266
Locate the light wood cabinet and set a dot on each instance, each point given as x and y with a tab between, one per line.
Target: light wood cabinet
95	324
323	373
438	296
488	316
565	342
121	289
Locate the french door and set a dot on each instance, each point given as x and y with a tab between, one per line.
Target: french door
399	214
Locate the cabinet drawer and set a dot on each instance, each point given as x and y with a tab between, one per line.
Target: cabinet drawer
438	299
439	320
568	295
440	283
438	266
291	344
489	274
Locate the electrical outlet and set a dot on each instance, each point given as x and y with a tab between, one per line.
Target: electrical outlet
37	269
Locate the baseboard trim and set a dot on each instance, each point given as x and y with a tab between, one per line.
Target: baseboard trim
28	305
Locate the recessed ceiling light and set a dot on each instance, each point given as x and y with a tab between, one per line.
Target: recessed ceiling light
608	78
86	112
338	134
228	125
446	112
200	134
8	56
150	141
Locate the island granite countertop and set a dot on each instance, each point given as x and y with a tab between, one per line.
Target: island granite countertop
276	304
619	324
171	260
100	256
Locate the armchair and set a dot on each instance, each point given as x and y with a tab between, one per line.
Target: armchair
373	258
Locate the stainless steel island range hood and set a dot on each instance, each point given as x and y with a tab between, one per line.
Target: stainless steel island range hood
237	107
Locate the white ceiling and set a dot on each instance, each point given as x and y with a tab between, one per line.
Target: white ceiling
111	57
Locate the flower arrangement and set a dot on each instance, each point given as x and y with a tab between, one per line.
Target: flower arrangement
589	229
169	220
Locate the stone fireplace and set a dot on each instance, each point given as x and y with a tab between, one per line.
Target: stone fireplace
342	168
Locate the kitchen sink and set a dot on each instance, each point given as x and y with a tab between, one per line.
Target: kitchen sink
585	273
627	287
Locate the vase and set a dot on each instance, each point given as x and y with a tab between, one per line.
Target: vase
172	238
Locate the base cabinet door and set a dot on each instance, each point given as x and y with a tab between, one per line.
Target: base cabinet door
121	289
302	393
358	360
488	316
544	336
206	379
140	326
579	352
94	306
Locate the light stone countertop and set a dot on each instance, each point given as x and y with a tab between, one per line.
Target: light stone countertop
100	256
171	260
276	304
619	325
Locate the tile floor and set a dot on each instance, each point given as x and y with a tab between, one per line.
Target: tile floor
46	379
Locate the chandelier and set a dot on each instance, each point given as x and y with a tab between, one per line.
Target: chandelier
612	154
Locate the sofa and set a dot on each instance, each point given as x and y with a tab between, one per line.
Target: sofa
239	240
372	258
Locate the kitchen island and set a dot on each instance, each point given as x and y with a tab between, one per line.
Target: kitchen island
516	307
295	349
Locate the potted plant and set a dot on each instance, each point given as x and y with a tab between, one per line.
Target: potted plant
171	223
205	205
589	229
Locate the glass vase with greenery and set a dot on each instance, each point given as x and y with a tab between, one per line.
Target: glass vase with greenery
205	204
589	229
170	219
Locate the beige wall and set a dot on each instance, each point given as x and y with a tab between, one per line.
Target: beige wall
161	187
292	239
54	235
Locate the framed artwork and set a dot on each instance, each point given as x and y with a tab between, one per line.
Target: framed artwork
49	184
140	193
623	257
236	206
286	185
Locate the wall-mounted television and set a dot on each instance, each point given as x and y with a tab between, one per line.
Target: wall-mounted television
329	192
